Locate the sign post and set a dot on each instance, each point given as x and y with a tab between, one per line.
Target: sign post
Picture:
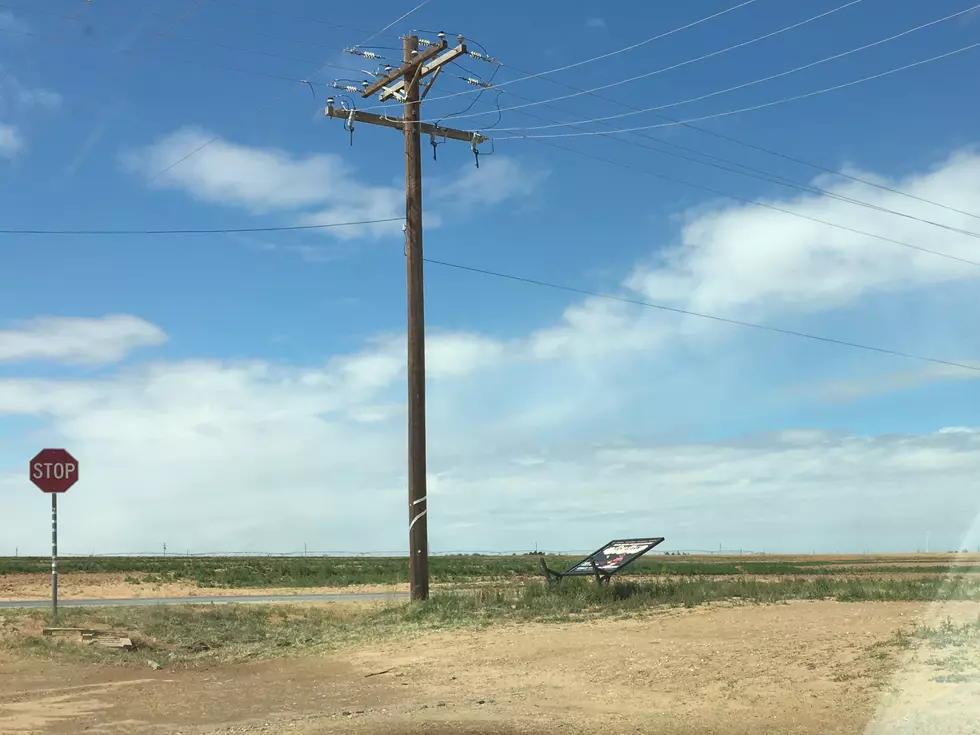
54	471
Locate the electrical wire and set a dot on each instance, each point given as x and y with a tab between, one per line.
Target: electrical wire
217	231
755	173
760	106
763	175
737	141
394	22
701	315
746	84
476	99
764	205
623	50
675	66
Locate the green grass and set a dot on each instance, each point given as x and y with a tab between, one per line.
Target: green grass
208	634
259	572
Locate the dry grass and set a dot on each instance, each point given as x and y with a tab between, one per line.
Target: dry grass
182	636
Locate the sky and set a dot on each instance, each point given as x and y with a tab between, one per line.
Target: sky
246	391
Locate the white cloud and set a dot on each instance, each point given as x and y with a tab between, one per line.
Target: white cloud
750	263
498	180
17	103
562	436
214	456
11	142
18	97
226	173
595	23
741	258
76	340
314	189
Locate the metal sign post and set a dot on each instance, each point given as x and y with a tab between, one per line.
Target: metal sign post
54	471
54	554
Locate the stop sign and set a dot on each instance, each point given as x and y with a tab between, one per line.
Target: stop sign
54	470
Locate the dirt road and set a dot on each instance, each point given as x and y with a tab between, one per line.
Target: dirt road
803	667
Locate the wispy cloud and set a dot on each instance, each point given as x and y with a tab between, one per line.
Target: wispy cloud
17	104
76	340
595	23
11	142
318	188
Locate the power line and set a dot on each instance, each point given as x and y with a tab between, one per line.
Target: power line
746	84
217	231
394	22
738	141
765	104
606	55
702	315
764	175
678	65
748	171
764	205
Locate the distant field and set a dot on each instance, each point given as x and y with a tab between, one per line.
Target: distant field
279	572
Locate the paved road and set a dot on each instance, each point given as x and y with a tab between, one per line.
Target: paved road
200	600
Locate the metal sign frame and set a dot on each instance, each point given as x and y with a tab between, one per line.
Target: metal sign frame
607	560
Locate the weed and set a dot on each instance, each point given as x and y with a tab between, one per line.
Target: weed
198	635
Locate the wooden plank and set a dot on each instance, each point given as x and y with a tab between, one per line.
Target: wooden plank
397	123
409	66
433	66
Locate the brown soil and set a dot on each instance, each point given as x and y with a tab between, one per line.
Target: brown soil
803	667
106	586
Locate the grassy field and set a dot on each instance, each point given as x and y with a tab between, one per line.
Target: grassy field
258	572
190	636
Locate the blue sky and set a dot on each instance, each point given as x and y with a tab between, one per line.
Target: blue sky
154	358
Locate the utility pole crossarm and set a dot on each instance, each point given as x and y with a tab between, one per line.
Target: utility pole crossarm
397	90
467	136
407	68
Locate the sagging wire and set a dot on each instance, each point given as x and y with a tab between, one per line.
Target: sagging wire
485	85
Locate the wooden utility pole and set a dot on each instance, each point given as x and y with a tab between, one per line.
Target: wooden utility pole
405	84
418	526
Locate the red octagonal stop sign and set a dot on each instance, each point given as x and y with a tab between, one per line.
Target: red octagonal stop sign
54	470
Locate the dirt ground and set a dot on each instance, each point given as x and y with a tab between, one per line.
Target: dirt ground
107	586
802	667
